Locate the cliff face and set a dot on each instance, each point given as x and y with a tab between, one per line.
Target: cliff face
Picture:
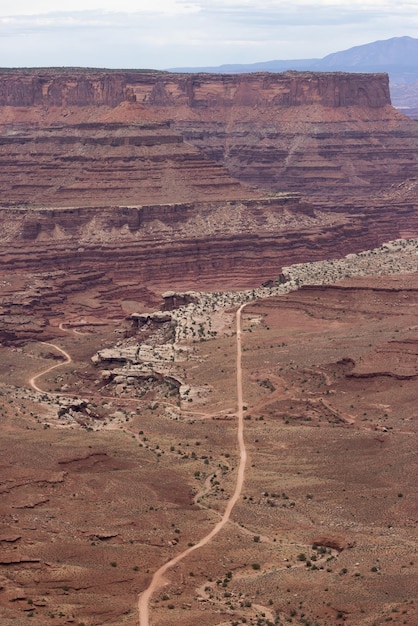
236	243
319	133
100	164
60	88
66	88
138	176
290	89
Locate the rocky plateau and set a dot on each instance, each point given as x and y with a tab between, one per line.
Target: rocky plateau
138	211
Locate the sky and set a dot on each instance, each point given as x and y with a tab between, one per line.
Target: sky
162	34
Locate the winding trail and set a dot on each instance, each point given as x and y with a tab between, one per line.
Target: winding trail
68	359
158	580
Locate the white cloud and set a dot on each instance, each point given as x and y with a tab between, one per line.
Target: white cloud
41	7
168	33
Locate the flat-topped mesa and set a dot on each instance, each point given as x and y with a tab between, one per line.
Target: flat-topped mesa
129	172
57	87
274	90
319	133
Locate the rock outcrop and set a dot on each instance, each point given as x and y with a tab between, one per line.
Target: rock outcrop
168	181
322	133
100	164
77	87
239	243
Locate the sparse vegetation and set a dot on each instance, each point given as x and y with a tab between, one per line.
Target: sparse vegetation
290	475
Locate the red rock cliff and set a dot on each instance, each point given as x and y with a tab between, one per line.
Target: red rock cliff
333	134
72	87
97	171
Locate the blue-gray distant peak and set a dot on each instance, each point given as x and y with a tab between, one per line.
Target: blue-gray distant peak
398	55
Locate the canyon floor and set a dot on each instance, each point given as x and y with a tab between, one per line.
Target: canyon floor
107	473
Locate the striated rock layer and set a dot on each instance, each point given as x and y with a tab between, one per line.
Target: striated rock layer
294	131
67	87
159	180
243	242
95	164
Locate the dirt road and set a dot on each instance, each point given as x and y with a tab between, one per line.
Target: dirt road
158	580
68	359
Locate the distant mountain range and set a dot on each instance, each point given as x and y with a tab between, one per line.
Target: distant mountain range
397	56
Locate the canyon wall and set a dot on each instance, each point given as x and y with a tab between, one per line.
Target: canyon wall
105	164
61	87
322	134
232	243
152	181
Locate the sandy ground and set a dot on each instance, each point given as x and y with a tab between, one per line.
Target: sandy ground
325	528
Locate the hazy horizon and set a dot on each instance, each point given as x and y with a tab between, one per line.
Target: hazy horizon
173	33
